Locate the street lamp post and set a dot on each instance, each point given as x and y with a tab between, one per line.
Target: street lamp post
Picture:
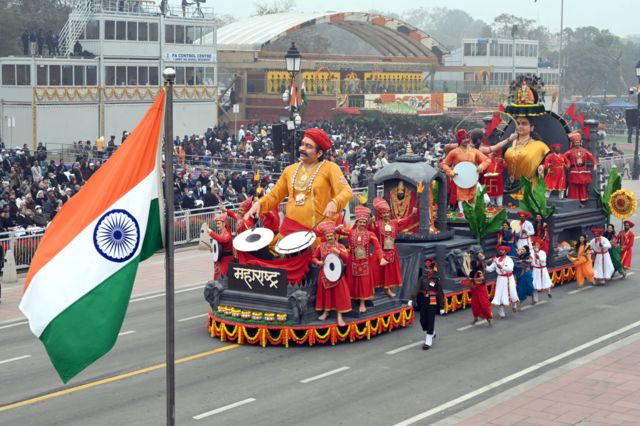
293	60
636	166
514	32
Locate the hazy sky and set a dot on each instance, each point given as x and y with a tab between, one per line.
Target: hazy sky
622	17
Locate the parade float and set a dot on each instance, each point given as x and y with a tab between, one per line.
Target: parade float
270	300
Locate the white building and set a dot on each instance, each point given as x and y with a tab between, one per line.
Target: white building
105	90
505	60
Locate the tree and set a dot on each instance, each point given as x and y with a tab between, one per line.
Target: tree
276	6
448	26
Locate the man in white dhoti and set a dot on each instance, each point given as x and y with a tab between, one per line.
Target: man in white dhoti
541	279
526	231
602	265
505	292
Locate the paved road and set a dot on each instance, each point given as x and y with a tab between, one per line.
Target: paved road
368	385
382	382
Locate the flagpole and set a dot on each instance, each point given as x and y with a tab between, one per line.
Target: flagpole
169	75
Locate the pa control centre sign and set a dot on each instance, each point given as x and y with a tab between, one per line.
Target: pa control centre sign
190	57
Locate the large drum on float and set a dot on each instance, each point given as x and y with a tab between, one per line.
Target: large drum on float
466	175
333	269
253	240
295	242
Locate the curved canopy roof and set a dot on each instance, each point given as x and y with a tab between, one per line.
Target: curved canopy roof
412	172
389	36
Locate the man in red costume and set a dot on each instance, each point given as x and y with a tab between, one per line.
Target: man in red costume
493	178
465	152
315	187
626	239
359	273
331	296
579	176
555	166
223	236
386	229
270	219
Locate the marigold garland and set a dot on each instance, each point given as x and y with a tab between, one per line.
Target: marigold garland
225	329
623	203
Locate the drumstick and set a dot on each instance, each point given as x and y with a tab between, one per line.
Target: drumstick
314	226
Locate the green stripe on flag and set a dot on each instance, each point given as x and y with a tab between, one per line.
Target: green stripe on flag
89	328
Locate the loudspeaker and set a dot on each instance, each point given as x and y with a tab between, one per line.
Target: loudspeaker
279	138
631	116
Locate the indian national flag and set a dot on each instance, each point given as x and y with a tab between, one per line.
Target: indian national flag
79	284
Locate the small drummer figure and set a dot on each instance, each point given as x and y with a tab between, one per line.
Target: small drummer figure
360	272
386	229
331	295
431	302
223	236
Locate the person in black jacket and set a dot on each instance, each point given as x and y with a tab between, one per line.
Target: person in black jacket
431	301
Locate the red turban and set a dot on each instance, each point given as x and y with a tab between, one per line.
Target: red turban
597	231
327	227
361	212
461	135
505	249
556	146
380	204
320	137
629	223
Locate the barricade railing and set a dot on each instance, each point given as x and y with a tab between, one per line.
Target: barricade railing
187	224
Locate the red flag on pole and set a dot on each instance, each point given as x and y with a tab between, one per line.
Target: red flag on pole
495	122
571	112
580	118
586	132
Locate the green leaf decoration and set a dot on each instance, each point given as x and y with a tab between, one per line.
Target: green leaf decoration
614	183
476	216
534	198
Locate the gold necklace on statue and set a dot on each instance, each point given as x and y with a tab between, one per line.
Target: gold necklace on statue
301	183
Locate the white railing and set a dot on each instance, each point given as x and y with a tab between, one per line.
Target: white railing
81	10
187	224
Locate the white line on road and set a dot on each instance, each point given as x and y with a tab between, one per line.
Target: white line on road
225	408
542	302
124	333
15	324
323	375
466	327
193	317
154	296
404	348
514	376
15	359
580	290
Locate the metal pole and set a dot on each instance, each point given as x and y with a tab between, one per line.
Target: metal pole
169	75
636	166
513	56
560	110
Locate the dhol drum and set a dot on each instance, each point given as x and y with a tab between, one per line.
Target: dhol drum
295	242
215	250
333	268
466	175
253	240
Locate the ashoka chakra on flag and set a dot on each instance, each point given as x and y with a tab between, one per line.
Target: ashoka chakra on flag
117	235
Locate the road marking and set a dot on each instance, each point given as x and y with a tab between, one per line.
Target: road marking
323	375
193	317
15	324
225	408
124	333
466	327
542	302
404	348
514	376
154	296
112	379
15	359
579	290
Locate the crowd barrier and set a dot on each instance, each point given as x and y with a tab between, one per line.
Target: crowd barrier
187	224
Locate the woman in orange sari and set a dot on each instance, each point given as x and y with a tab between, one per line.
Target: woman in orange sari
582	261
